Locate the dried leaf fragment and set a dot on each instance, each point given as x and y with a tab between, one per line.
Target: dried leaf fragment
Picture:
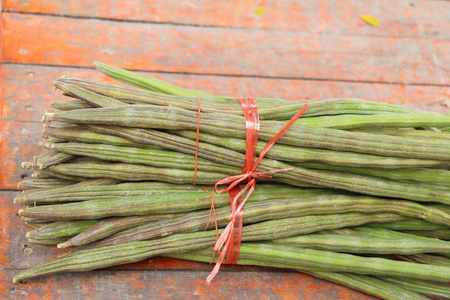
371	20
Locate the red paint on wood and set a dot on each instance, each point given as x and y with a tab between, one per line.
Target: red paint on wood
19	143
398	18
175	285
155	47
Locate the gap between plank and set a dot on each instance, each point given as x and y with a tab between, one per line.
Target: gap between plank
242	76
216	26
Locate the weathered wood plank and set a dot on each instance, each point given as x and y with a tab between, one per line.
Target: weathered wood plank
8	225
19	143
398	18
199	50
27	89
175	285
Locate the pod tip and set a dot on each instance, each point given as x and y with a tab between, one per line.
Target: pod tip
64	245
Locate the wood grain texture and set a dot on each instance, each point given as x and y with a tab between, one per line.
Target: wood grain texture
18	144
175	285
158	278
398	18
199	50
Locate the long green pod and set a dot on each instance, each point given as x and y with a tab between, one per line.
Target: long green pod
41	221
35	183
276	229
92	259
40	192
69	104
439	234
390	120
134	205
430	185
134	172
87	96
268	230
138	172
341	262
437	176
35	225
438	260
83	135
361	244
143	81
110	226
61	229
409	225
421	286
406	132
424	235
161	202
51	157
48	173
279	209
296	258
368	284
75	192
152	157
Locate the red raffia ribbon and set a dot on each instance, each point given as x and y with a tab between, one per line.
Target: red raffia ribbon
212	211
229	241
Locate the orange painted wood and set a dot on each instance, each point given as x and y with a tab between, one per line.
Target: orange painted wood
398	18
175	285
27	89
48	40
18	144
8	225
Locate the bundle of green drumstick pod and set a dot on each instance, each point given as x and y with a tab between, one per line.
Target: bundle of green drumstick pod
365	203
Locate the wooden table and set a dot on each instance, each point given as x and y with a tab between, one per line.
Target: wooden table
307	49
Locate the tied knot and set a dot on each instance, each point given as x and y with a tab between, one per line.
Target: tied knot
249	177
